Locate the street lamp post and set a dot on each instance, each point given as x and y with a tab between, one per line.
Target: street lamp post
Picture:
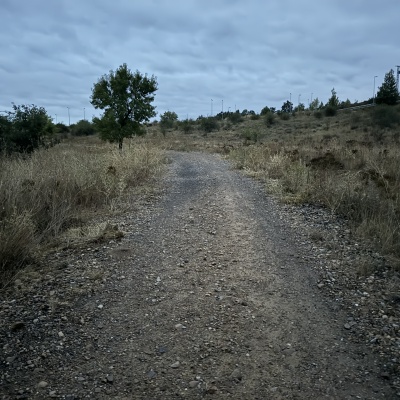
373	99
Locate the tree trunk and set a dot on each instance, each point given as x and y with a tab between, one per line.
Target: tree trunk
120	141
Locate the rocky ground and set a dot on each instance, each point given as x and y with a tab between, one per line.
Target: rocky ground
215	291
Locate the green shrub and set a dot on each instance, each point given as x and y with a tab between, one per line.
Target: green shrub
235	118
330	111
318	114
269	119
83	128
209	125
284	116
385	116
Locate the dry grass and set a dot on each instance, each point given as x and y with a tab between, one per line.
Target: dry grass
344	163
45	194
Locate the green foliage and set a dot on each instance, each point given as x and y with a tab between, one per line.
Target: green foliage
330	111
83	128
126	99
287	107
25	129
316	104
250	135
254	117
269	119
388	93
61	128
285	116
187	126
300	107
235	117
385	116
209	124
167	121
334	100
318	114
265	111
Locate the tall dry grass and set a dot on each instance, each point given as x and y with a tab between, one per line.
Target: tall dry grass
44	194
353	175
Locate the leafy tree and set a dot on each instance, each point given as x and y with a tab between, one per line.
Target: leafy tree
187	125
83	128
61	128
388	93
265	111
287	107
334	100
209	124
235	117
316	104
25	129
167	121
126	99
300	107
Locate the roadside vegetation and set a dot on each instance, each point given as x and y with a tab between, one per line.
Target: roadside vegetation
55	178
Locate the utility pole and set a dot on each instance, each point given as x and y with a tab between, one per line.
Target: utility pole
398	74
69	118
373	98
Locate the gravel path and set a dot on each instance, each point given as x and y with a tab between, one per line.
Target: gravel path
213	293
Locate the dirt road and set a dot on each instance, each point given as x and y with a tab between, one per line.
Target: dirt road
210	295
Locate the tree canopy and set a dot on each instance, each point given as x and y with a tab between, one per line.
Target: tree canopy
388	93
25	128
126	99
167	121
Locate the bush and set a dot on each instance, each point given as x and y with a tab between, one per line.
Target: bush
83	128
25	129
254	117
269	119
209	125
284	116
318	114
235	118
330	111
187	126
385	116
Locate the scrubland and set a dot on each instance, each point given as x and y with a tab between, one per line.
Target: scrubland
52	194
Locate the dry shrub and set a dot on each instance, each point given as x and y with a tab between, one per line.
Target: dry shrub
45	193
361	183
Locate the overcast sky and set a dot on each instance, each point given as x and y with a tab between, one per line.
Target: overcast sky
244	54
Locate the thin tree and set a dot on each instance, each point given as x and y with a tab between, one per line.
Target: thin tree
126	99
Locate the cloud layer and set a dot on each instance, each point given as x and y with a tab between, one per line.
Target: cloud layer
242	54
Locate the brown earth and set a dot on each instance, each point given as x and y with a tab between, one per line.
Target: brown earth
215	291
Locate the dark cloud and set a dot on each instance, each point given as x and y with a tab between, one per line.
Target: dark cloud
248	54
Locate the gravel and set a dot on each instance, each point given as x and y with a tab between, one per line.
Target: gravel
215	290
